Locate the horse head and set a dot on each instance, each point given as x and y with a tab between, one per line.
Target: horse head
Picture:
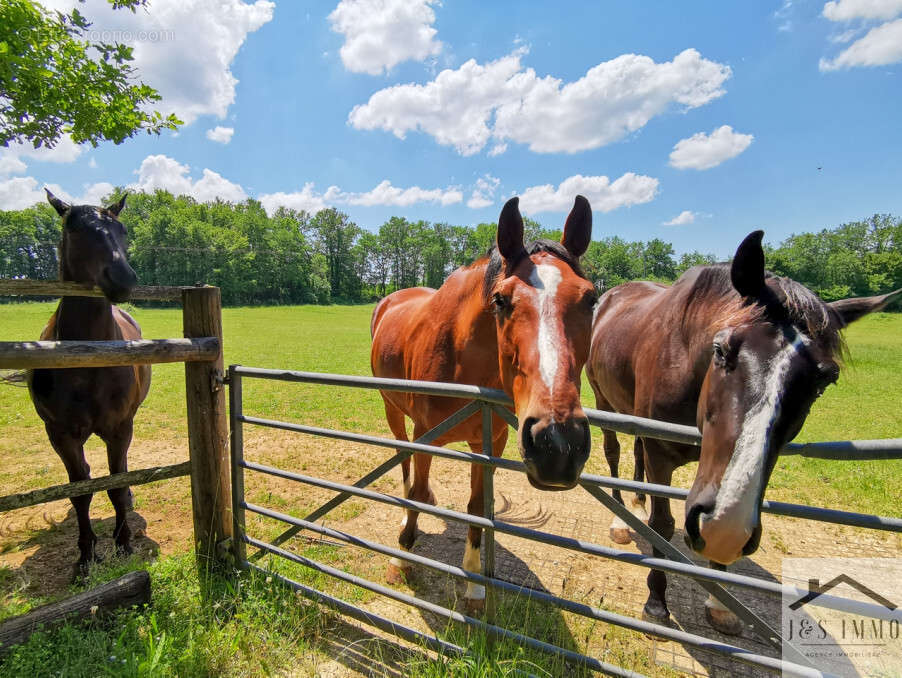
93	247
543	311
774	352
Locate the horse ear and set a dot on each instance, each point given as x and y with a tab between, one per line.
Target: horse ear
578	229
852	309
510	231
60	207
117	207
747	271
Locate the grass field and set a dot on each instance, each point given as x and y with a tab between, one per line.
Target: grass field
247	640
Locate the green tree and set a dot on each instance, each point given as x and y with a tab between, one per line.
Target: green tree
54	81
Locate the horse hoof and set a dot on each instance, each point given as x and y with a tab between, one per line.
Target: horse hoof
397	575
124	550
474	606
664	620
620	535
724	621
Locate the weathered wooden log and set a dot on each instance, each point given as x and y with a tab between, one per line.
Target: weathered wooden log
208	431
56	288
23	355
130	589
80	487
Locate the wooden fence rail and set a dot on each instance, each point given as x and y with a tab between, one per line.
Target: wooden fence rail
80	487
55	288
22	355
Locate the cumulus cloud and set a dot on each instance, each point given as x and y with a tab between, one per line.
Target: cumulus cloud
702	151
380	34
684	217
221	135
484	193
502	101
11	164
847	10
386	194
880	46
182	49
163	172
305	200
604	196
18	193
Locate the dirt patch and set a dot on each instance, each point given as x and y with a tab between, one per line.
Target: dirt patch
38	544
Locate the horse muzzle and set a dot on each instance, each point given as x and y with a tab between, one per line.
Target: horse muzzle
554	452
117	282
720	539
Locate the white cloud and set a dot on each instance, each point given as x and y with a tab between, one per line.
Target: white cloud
847	10
65	151
684	217
92	163
880	46
19	192
484	193
92	194
604	196
162	172
386	194
182	48
221	135
701	151
503	101
305	200
380	34
10	164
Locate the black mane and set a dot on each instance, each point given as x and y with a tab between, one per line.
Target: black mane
496	262
788	301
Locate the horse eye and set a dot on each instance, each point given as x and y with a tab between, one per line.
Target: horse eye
500	301
719	353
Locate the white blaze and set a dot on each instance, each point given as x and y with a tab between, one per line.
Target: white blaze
741	484
545	279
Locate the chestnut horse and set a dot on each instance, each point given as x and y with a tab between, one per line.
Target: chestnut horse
77	402
740	353
519	320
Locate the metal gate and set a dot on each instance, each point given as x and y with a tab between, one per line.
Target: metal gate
488	402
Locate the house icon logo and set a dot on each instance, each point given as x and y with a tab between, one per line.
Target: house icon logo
815	589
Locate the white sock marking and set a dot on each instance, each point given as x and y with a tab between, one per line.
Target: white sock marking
740	486
472	563
714	604
545	279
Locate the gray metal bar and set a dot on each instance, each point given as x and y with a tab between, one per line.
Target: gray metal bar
236	448
703	573
488	510
496	631
581	609
762	628
779	508
374	620
490	395
850	450
461	415
823	515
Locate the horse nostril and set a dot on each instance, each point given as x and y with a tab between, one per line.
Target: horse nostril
694	538
529	439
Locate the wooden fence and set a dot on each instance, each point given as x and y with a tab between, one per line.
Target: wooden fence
200	350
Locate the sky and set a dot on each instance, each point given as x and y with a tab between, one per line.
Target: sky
691	122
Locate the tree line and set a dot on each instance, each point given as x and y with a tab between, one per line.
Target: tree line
293	257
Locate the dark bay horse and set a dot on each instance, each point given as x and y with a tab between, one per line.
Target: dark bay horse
75	403
518	319
740	353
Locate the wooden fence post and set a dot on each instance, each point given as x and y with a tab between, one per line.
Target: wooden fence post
208	433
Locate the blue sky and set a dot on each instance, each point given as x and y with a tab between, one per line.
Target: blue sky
692	122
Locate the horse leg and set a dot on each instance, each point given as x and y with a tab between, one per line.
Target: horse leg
399	569
718	615
71	451
660	470
638	501
619	531
474	597
117	444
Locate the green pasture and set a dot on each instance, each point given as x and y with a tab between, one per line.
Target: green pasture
864	404
248	630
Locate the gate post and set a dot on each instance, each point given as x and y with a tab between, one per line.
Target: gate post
207	429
